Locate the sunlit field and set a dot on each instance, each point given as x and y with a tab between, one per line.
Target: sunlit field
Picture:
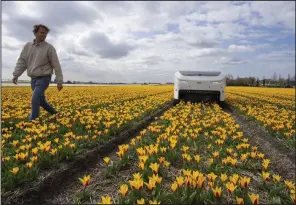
88	116
194	152
273	108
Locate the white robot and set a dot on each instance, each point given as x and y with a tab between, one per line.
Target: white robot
196	86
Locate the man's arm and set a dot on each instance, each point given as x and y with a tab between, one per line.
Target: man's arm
20	65
54	60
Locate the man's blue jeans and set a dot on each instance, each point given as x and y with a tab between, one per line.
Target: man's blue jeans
39	85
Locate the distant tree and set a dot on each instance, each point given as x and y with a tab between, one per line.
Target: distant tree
229	76
257	82
281	80
263	82
289	80
274	77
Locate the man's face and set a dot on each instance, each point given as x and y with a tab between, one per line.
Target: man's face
41	34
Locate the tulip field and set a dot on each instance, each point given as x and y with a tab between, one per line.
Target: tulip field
88	117
273	108
192	153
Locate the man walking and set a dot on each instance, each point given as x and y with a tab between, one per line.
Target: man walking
39	58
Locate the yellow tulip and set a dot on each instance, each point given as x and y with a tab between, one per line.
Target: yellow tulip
265	164
151	185
233	162
244	181
120	153
140	201
217	192
185	149
201	182
141	165
137	184
254	198
239	200
137	176
14	170
154	167
153	202
244	157
234	178
29	165
53	151
107	160
180	181
230	187
212	177
85	180
186	172
223	177
197	158
123	190
265	175
174	186
290	184
261	155
156	178
216	154
163	149
143	159
161	159
166	163
276	178
106	200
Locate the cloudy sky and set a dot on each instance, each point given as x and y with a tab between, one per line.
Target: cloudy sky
149	41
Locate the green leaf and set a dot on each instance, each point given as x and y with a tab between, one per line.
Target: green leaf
192	196
183	199
276	200
277	190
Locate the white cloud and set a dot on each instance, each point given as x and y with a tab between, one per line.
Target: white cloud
206	52
275	13
238	48
281	55
225	60
147	41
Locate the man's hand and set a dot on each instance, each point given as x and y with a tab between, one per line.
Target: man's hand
14	80
60	86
